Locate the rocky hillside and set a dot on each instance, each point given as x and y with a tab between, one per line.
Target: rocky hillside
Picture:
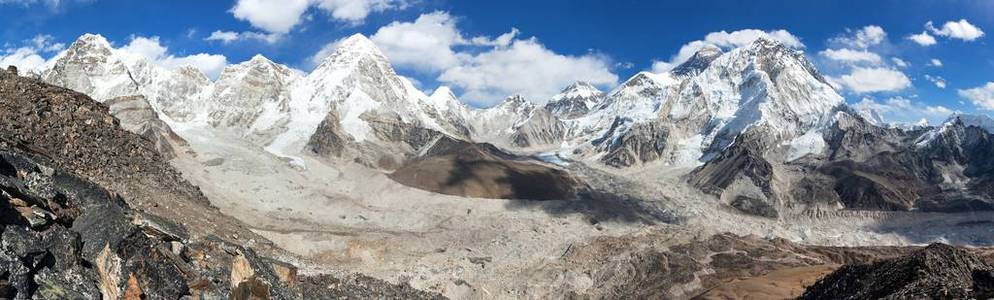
90	210
938	271
641	266
67	238
80	135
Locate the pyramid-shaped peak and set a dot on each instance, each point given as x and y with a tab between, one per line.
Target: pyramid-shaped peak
259	58
358	43
699	61
580	85
353	49
443	92
579	89
192	72
766	41
91	43
708	50
94	39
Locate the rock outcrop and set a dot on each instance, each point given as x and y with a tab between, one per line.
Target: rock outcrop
938	271
137	115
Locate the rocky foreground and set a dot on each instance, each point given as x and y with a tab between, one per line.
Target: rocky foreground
78	203
938	271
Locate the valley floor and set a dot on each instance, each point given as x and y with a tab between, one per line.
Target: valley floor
343	218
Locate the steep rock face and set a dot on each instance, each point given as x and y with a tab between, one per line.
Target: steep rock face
707	102
136	115
741	177
866	167
856	138
540	128
575	100
90	66
643	142
761	87
937	271
452	114
252	98
497	123
179	95
357	82
699	62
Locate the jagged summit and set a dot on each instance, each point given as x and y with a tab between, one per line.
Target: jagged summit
575	100
955	125
352	49
579	89
699	61
981	121
259	58
513	103
91	66
90	39
443	92
360	43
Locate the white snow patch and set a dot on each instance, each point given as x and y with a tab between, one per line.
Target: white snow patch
811	142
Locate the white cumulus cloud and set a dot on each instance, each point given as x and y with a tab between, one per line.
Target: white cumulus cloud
981	96
899	62
851	56
935	62
527	68
227	37
28	57
870	80
355	11
870	35
923	39
425	44
152	49
280	16
901	110
485	69
937	80
961	29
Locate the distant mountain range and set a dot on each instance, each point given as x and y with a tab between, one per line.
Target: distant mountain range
759	125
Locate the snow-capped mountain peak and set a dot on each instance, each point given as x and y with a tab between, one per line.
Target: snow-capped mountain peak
443	98
91	66
980	121
351	50
516	103
952	123
91	44
575	100
578	89
699	61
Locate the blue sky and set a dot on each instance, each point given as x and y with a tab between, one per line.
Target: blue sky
487	50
